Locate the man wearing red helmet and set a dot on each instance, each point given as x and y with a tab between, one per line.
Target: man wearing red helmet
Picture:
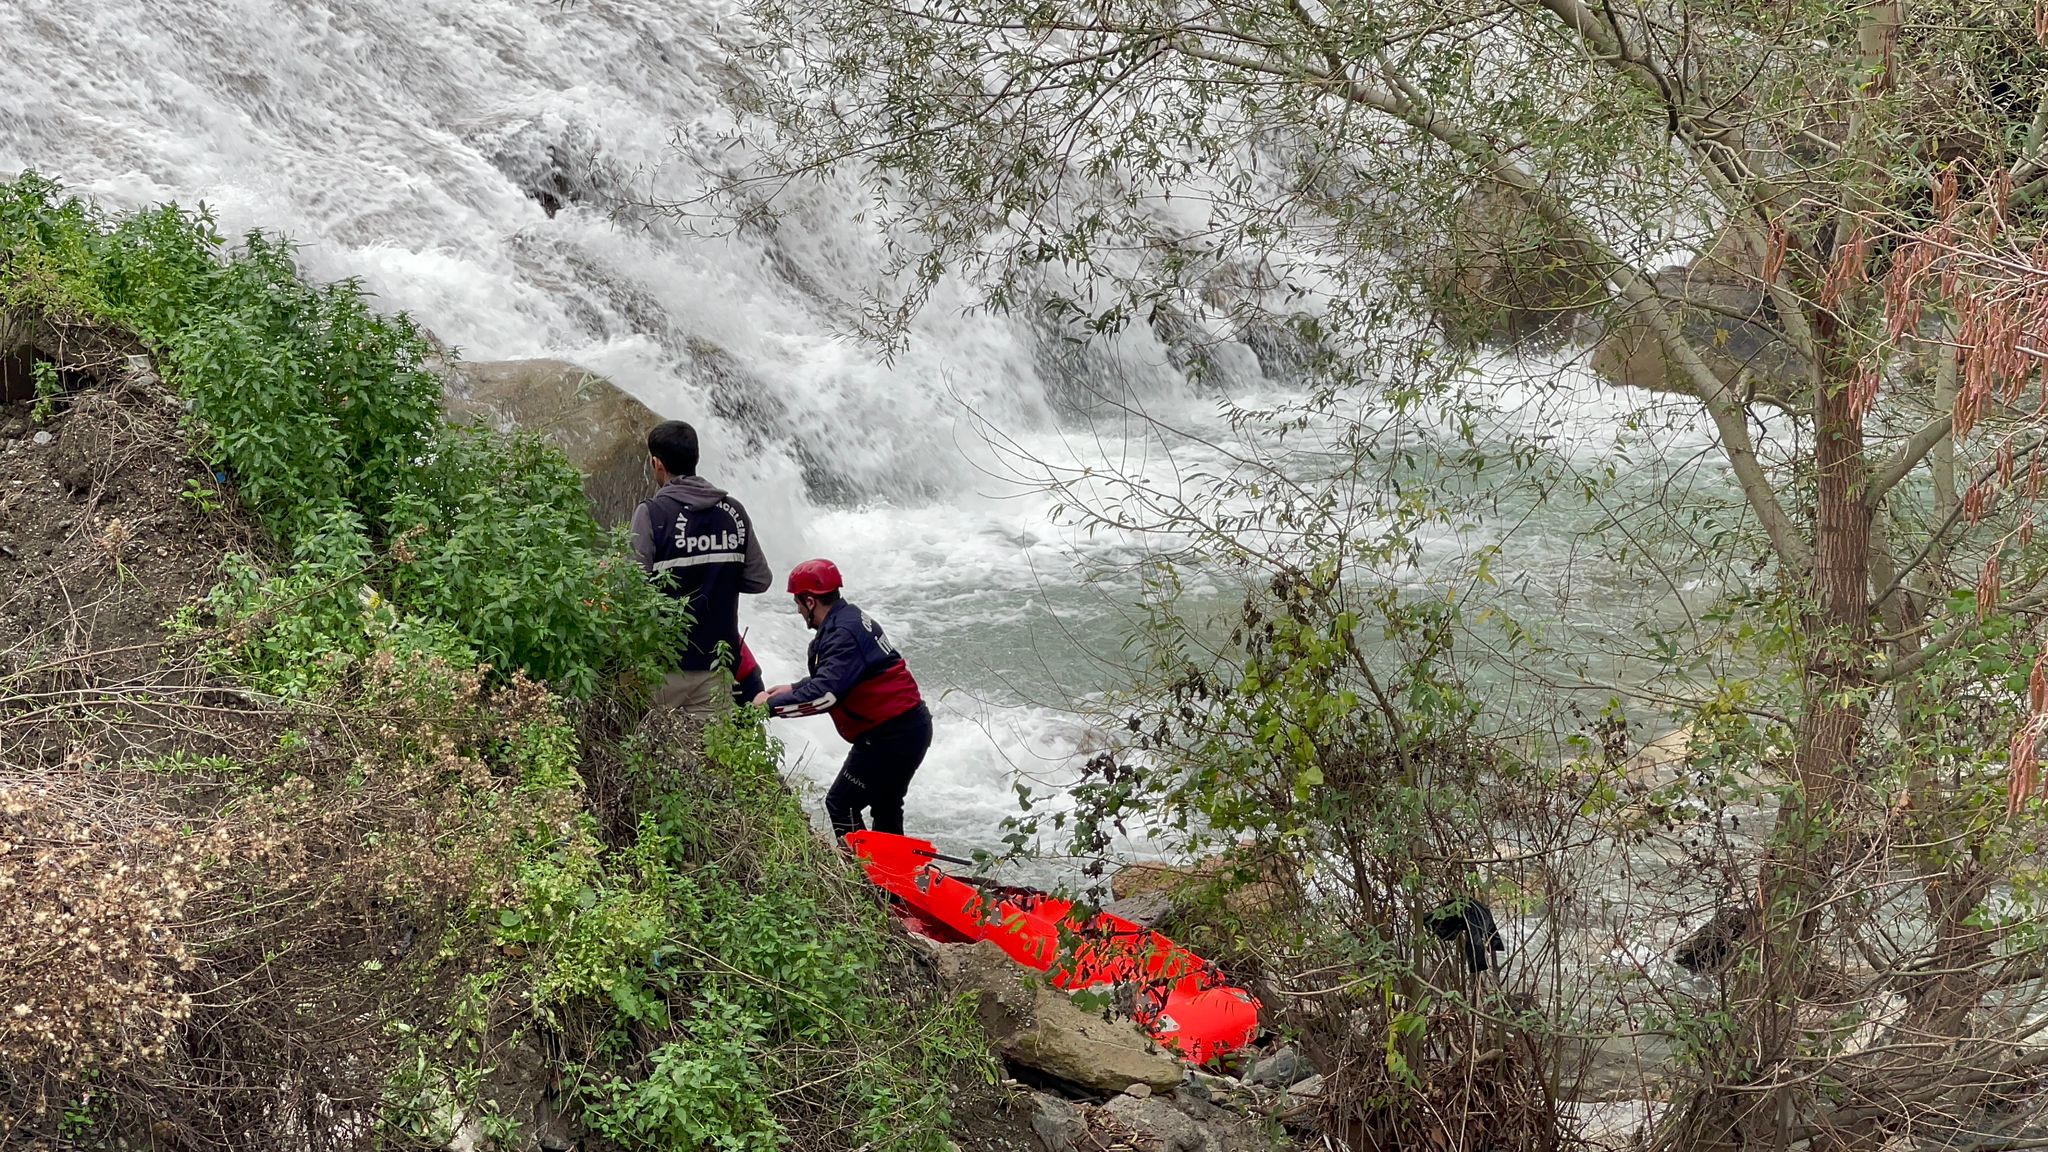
856	676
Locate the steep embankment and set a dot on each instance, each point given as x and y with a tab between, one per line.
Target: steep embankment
326	818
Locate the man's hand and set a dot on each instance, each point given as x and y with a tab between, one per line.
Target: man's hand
778	690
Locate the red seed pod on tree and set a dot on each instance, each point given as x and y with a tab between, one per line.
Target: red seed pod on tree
1774	252
2022	769
2005	463
1988	587
1902	289
1969	397
1945	195
1845	271
1863	391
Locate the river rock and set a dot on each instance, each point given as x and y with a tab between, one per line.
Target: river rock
602	430
1506	276
1625	1067
1311	1088
1146	909
1280	1070
1160	1120
1058	1126
1661	761
1717	943
1039	1027
1164	1126
1723	312
1160	889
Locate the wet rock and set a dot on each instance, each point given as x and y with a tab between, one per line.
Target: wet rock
1204	358
1280	1070
555	162
1056	1124
1284	353
1716	943
600	428
1039	1027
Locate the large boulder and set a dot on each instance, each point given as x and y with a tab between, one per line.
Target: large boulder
602	430
1153	892
1506	276
1718	302
1039	1027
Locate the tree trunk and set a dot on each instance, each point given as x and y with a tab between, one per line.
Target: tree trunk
1837	666
1747	1111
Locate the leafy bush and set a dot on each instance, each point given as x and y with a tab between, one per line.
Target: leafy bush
721	928
414	854
326	416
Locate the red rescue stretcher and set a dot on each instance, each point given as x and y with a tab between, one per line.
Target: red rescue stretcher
1183	1002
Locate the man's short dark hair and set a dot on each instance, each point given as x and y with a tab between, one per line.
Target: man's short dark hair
674	443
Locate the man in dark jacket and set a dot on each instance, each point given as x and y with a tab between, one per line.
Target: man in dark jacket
858	678
698	544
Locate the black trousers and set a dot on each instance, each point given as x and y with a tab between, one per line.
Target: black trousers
877	773
744	691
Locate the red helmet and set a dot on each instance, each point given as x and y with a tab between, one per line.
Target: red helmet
814	578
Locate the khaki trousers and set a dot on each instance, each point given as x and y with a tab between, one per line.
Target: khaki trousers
705	694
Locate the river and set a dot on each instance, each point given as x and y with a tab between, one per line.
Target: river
399	142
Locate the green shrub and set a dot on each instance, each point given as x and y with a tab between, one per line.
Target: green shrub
725	928
715	978
326	417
